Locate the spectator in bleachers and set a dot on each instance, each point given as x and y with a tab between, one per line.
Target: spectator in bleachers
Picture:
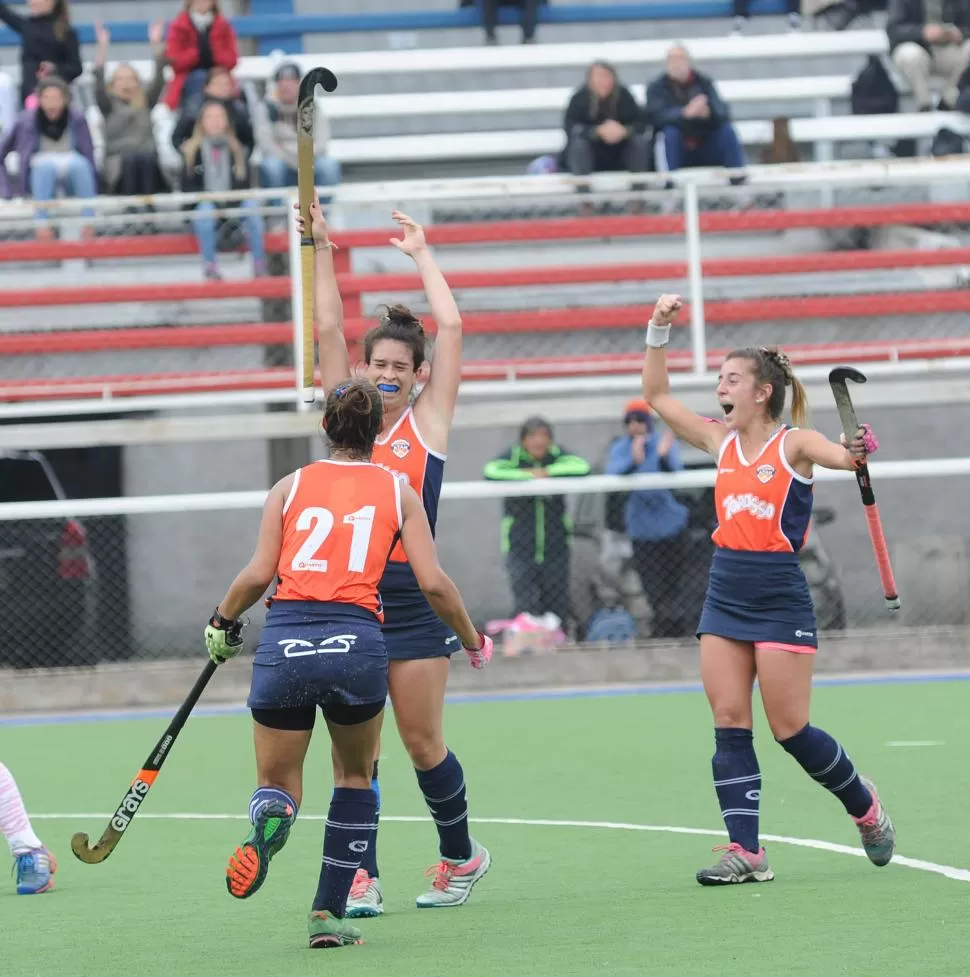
536	533
130	154
49	47
55	149
215	161
604	126
742	10
276	135
221	87
199	38
691	117
656	522
529	17
927	38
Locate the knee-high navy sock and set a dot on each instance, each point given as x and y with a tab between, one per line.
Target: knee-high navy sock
350	826
824	760
737	780
369	861
270	795
444	792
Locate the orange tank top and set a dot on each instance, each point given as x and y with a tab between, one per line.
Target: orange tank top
340	522
764	505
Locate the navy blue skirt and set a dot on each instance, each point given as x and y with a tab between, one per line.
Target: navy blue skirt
411	628
759	597
312	653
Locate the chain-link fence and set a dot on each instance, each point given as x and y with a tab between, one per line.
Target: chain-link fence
140	586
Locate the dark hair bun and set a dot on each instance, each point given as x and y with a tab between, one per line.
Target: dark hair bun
403	317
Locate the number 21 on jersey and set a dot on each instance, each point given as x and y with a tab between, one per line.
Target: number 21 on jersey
319	523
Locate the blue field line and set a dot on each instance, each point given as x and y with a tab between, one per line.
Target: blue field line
466	698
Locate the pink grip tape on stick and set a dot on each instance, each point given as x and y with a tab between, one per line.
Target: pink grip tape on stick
838	381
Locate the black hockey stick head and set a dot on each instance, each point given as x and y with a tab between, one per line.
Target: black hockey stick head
841	374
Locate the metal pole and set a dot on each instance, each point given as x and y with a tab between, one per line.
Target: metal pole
296	303
692	230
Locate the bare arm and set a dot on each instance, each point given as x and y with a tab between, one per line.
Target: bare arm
438	587
690	427
807	448
436	406
328	308
254	578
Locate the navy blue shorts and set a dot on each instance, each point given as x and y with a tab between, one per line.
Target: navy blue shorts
762	598
411	629
312	654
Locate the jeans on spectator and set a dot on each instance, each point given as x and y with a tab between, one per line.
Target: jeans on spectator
660	566
274	172
540	587
585	155
138	175
720	147
741	7
194	83
206	226
76	178
529	19
917	65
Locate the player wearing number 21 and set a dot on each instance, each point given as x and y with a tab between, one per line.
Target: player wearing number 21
325	535
758	618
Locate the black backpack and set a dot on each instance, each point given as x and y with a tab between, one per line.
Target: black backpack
873	91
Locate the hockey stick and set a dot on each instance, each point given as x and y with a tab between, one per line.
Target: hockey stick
143	781
838	381
306	111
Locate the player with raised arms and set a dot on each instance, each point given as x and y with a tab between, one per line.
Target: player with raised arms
413	443
325	535
758	619
34	865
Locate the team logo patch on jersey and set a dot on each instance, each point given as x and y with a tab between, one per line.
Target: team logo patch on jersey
401	448
765	473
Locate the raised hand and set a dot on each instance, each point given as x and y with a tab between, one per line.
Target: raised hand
413	241
864	443
318	223
156	33
666	310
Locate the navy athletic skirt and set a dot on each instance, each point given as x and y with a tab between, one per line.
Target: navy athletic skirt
313	653
759	597
411	628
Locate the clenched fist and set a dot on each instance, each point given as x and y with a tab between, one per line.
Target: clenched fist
666	310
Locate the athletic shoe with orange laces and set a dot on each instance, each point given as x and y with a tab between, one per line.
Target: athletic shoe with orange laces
327	932
249	863
736	865
366	898
452	880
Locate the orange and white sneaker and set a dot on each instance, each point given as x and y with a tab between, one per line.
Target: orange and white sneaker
452	881
366	898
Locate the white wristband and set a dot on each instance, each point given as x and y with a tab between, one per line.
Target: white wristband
657	336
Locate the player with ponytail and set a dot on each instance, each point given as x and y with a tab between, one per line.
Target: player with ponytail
758	619
413	443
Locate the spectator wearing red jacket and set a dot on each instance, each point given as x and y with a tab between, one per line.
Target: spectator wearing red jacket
199	39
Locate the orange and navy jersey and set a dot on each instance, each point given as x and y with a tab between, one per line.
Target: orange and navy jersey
762	506
403	451
340	521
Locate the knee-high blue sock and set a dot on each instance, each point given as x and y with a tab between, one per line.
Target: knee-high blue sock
369	862
737	780
824	760
350	826
270	795
444	792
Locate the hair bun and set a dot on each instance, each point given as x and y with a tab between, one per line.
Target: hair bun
401	315
781	359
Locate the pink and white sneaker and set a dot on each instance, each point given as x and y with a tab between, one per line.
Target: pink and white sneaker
876	829
366	898
736	866
452	881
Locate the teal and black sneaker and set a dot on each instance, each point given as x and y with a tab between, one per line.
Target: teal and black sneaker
249	863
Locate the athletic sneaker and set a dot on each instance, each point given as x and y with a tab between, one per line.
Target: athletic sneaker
249	863
35	872
366	898
876	829
327	931
452	881
736	865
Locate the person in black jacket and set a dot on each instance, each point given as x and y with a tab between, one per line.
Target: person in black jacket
604	126
685	107
49	45
529	16
535	530
930	37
